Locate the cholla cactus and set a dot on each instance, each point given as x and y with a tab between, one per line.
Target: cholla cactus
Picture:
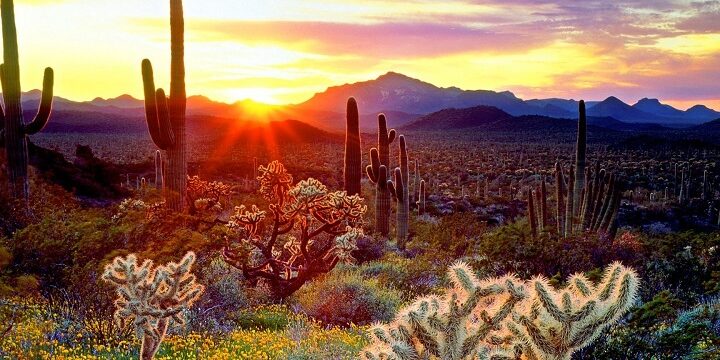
558	323
205	195
153	298
505	318
466	322
305	232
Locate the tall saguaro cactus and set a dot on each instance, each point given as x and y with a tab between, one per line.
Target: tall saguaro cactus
378	175
580	151
353	156
421	198
399	190
13	129
166	116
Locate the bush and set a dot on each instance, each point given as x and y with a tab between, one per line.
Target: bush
412	277
342	298
265	317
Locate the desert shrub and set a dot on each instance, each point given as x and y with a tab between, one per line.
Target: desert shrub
342	298
451	236
224	300
511	248
685	263
660	330
265	317
411	277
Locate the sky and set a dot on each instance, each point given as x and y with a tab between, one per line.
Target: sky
284	51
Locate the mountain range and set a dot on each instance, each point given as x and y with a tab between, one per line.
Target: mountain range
403	99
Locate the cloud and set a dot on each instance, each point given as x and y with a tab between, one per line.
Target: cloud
387	40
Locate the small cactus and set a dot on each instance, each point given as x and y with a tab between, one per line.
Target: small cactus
421	198
152	298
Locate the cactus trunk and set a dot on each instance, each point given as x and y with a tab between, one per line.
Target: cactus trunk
14	131
353	161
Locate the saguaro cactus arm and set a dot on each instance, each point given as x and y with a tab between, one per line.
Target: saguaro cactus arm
156	110
46	101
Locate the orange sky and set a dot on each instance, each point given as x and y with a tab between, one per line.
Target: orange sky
283	51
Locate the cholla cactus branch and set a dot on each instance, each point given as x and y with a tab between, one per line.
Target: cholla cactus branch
152	298
305	232
466	322
205	195
505	318
558	323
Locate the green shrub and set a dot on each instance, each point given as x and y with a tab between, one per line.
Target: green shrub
266	317
342	298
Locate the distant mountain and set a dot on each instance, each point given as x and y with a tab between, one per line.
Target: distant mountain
408	95
456	119
121	102
402	98
702	112
488	118
617	125
655	107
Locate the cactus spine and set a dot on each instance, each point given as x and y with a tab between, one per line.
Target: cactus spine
166	116
13	129
421	198
353	156
378	176
399	190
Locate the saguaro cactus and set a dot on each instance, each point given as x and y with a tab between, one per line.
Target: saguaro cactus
378	176
166	116
353	156
401	193
421	198
532	214
559	198
13	129
152	298
580	151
